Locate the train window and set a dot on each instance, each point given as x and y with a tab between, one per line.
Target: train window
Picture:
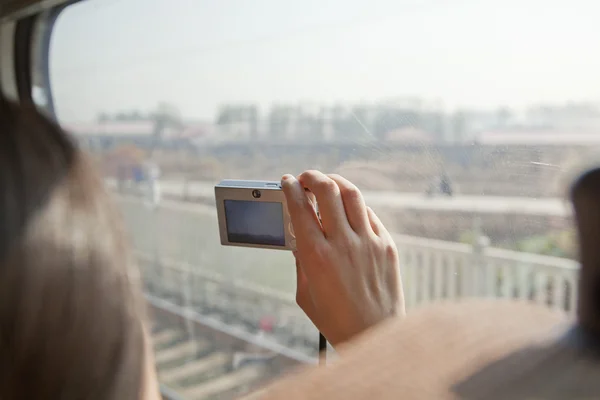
459	121
42	29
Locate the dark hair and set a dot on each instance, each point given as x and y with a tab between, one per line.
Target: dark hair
71	316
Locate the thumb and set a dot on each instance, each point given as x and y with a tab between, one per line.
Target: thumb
302	213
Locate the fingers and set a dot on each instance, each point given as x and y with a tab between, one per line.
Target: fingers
329	199
375	222
377	226
305	221
354	204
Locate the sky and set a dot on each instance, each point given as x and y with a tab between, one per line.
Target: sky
116	55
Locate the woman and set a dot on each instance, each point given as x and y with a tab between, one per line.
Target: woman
72	317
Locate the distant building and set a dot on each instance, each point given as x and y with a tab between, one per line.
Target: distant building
107	135
581	117
410	135
143	134
537	138
467	125
571	124
198	132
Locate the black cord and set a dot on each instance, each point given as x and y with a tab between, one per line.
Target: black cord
322	349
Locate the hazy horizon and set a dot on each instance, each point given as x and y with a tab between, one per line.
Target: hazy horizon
121	55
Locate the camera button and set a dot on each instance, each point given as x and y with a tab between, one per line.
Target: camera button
291	230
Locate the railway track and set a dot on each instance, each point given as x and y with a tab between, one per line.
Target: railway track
198	357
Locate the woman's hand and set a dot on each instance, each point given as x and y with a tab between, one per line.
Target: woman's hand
347	264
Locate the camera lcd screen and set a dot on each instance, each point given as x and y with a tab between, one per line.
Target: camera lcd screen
255	222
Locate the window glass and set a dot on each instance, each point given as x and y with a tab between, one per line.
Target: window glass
460	122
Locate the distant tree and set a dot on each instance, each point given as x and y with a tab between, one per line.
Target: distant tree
278	120
103	117
313	126
459	125
302	124
338	121
503	117
239	114
136	115
252	115
121	116
433	122
390	118
322	122
308	123
352	124
224	115
359	124
166	116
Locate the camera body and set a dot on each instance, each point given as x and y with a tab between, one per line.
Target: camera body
254	214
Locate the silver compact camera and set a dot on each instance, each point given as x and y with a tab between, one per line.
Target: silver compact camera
254	214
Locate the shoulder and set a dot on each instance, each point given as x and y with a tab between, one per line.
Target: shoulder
425	354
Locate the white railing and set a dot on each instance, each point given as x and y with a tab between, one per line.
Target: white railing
204	191
236	301
432	270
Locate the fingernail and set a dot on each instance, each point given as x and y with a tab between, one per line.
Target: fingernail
287	178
